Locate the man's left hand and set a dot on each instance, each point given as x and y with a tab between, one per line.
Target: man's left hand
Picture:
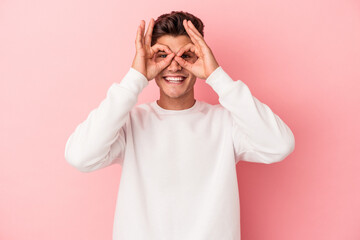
206	62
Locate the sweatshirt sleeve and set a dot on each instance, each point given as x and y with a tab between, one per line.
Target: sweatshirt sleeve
259	135
100	141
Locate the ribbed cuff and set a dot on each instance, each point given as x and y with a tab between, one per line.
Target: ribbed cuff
134	81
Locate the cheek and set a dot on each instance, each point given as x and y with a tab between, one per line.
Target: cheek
158	59
193	78
191	59
158	81
192	81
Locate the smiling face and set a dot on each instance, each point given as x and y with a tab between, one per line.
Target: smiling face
184	90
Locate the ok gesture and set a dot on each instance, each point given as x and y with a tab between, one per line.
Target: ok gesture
206	62
144	61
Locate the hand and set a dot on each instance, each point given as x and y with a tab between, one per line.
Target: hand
144	61
206	62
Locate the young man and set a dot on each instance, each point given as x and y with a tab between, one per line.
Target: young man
178	154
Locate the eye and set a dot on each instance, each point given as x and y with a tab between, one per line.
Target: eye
183	56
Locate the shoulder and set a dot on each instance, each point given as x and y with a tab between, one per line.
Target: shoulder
141	109
215	109
210	106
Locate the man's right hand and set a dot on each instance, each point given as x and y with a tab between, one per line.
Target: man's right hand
144	60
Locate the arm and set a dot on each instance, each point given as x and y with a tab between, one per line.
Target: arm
258	134
100	140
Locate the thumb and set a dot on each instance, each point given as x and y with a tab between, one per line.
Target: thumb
167	60
183	63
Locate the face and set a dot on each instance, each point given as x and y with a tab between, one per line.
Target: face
169	89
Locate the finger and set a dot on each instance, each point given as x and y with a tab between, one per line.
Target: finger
192	52
138	42
143	24
183	63
166	61
192	27
160	47
197	39
149	32
188	47
190	33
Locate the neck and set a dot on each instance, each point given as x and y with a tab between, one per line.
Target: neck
176	103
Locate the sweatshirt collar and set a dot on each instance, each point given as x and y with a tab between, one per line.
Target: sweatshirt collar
167	111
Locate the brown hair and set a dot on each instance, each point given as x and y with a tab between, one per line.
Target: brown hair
172	24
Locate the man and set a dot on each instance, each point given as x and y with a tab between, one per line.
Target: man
178	154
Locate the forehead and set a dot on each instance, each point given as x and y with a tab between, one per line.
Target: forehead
174	43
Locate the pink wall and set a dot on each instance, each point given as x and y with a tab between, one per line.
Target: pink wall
58	58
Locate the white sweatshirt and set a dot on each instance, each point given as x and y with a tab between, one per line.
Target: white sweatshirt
178	179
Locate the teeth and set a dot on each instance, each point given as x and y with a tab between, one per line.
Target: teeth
175	78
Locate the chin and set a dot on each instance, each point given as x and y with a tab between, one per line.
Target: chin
174	96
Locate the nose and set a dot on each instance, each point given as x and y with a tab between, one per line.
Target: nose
174	66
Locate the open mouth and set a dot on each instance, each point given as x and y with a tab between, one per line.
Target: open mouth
174	80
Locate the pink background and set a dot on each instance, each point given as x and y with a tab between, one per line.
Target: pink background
58	58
